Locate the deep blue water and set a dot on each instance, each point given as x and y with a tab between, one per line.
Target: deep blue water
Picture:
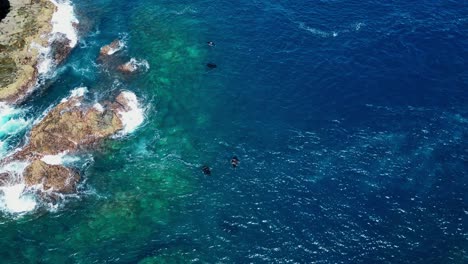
350	120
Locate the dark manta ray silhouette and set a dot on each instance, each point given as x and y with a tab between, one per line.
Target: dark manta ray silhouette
211	65
206	170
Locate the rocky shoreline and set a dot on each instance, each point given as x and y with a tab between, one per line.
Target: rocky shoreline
27	22
35	36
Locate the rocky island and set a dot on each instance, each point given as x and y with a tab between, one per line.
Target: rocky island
70	127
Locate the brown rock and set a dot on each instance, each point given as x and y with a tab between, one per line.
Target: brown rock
27	22
60	48
69	127
110	49
128	67
53	177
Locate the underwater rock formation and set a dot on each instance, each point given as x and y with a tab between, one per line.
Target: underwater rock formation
111	48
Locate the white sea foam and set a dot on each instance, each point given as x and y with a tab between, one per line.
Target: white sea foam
59	159
135	65
63	21
80	91
62	24
77	92
12	121
120	46
132	117
15	200
13	197
98	107
317	32
45	62
15	167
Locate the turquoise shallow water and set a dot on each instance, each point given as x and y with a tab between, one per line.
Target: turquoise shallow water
349	119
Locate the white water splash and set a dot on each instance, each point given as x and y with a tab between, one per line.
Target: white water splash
59	159
120	46
12	122
13	196
98	107
63	21
45	62
133	117
134	65
77	92
14	200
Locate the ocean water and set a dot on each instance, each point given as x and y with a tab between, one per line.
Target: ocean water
349	118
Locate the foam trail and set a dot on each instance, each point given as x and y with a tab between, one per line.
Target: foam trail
132	117
317	32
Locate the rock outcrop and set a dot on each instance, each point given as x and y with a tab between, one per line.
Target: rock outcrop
53	178
60	47
27	22
128	67
111	48
133	66
71	126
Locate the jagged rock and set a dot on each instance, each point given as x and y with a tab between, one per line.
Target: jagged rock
133	65
69	127
60	47
110	49
4	178
55	178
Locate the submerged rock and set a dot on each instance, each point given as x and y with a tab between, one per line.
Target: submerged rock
133	65
54	178
111	48
128	67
